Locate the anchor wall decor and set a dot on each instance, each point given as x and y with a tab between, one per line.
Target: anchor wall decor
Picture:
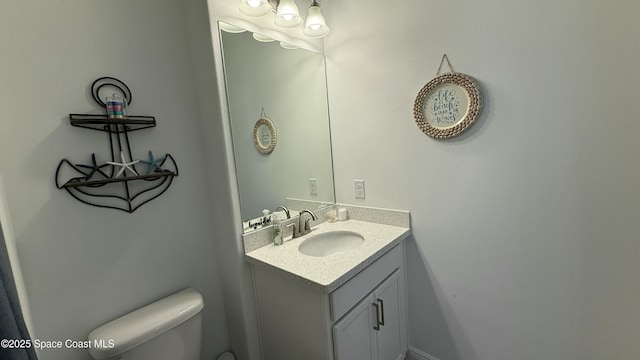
121	182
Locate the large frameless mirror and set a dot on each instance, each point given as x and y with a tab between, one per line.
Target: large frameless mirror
270	82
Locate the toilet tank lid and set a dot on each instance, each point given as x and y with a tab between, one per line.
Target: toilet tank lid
139	326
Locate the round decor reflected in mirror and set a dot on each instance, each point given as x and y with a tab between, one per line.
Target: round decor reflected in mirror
447	105
264	135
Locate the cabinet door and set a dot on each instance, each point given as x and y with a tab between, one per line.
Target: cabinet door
389	337
353	336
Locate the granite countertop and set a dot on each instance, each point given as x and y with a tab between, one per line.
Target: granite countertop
328	273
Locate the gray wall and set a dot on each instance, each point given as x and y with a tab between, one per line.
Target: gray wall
83	265
526	228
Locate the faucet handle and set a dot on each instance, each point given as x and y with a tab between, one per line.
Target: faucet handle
295	232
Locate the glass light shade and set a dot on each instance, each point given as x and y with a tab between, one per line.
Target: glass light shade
315	26
226	27
255	7
262	38
287	15
288	46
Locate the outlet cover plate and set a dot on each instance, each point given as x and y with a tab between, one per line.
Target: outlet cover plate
358	186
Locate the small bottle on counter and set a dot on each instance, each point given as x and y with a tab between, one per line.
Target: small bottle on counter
277	218
342	213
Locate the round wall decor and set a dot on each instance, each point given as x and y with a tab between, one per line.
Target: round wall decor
447	105
264	135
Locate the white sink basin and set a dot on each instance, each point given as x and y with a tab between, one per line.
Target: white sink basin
329	243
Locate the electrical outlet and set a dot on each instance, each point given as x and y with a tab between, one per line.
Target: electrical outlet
313	186
359	188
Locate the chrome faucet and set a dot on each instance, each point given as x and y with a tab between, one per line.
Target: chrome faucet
303	227
286	211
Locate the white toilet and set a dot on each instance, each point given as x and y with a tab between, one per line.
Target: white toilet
168	329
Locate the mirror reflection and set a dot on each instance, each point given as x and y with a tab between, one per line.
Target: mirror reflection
287	86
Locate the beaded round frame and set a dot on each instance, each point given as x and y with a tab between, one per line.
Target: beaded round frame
268	144
474	97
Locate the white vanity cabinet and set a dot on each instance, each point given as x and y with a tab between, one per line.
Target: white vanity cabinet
372	329
363	319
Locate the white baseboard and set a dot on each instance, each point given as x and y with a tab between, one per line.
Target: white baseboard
416	354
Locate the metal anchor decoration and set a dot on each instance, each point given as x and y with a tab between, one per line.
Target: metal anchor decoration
117	183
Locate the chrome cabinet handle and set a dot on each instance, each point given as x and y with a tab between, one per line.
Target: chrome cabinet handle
377	325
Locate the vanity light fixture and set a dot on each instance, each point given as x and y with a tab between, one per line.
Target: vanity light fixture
288	16
315	26
255	7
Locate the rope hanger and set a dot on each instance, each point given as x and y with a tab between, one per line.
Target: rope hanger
444	57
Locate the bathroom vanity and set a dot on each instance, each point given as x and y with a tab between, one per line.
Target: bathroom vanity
341	295
349	305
